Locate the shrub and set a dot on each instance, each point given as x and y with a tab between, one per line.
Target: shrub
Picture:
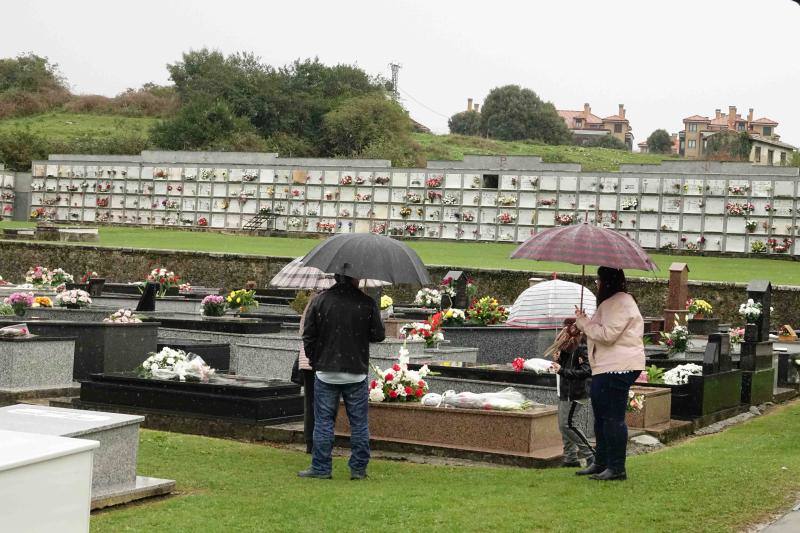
465	123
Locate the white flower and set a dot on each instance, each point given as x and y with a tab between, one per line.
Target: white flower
376	395
154	367
424	371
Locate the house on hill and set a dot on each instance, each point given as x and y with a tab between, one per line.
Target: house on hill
585	125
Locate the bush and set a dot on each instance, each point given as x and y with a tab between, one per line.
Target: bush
465	123
199	125
605	141
360	121
288	145
728	146
300	301
659	142
30	84
151	100
511	113
403	152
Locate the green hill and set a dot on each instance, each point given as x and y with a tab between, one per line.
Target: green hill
59	126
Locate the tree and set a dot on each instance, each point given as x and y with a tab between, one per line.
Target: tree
728	145
512	113
361	121
199	125
465	123
659	142
606	141
30	84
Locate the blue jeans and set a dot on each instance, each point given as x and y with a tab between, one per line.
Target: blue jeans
326	403
609	401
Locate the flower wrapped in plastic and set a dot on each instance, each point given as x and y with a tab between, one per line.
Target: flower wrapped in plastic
123	316
170	363
680	374
508	399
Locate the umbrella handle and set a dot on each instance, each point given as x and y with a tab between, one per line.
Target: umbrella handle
583	283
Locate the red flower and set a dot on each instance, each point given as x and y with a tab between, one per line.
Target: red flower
389	376
421	383
373	384
447	280
409	391
392	394
518	364
419	393
396	367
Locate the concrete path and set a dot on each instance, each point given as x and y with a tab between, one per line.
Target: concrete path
788	523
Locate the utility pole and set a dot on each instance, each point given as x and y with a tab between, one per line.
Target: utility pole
395	72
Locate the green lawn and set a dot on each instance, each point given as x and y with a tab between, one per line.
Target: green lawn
65	126
450	147
717	483
452	254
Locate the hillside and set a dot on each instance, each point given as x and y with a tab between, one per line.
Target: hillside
59	126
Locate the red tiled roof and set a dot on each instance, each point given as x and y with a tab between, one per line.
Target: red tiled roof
569	117
723	120
765	120
615	118
696	118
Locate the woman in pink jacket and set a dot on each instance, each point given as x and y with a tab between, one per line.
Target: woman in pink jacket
616	355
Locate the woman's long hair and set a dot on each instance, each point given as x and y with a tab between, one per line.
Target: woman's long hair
612	281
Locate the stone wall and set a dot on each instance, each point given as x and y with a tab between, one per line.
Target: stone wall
231	271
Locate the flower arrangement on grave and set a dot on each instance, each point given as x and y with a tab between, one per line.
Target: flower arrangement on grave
635	402
7	195
446	287
379	229
101	202
429	298
3	282
59	276
38	213
629	204
758	247
213	305
326	227
249	176
380	180
507	200
386	302
294	223
6	309
506	218
518	364
676	340
413	229
467	216
750	310
780	247
434	182
344	213
738	189
73	299
242	300
767	227
433	196
398	383
360	180
38	276
680	374
429	331
405	211
699	308
19	302
363	197
123	316
453	317
449	199
169	363
160	173
346	180
165	278
185	287
750	225
413	198
42	301
651	374
736	335
296	193
566	219
202	222
547	202
396	230
739	209
90	274
486	312
770	209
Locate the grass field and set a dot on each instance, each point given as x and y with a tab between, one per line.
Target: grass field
65	126
452	254
600	159
712	484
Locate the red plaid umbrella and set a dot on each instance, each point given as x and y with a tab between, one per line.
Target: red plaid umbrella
584	244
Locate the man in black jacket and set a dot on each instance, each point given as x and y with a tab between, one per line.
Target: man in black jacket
572	366
338	327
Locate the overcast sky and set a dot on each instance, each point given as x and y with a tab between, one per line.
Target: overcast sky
663	60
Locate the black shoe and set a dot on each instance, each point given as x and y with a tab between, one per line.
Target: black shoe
358	475
590	469
609	475
570	464
312	474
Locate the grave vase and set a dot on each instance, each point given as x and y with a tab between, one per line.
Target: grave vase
19	310
96	286
751	332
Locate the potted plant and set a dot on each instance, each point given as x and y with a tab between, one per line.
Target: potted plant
387	306
699	309
242	300
19	302
165	278
213	306
677	340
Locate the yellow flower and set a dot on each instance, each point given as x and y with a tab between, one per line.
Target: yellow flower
238	300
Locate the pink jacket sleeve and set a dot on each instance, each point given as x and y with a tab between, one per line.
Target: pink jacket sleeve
607	326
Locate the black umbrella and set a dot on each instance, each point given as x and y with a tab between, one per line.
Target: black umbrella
368	256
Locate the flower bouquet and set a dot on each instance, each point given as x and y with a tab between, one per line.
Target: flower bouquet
433	182
242	300
487	311
413	229
738	189
678	339
680	374
398	383
413	198
405	211
506	218
19	302
629	204
91	274
507	200
750	310
346	180
38	276
386	304
429	331
42	301
326	227
73	299
213	305
430	298
170	364
699	308
58	276
6	309
165	278
202	222
635	402
453	317
565	220
468	216
381	180
737	209
736	335
758	247
433	196
750	225
450	199
3	282
123	316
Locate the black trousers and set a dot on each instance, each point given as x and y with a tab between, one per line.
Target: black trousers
308	411
609	395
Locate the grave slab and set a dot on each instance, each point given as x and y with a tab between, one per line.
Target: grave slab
501	344
758	386
35	363
114	464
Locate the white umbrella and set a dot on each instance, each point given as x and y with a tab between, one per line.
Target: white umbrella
547	304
